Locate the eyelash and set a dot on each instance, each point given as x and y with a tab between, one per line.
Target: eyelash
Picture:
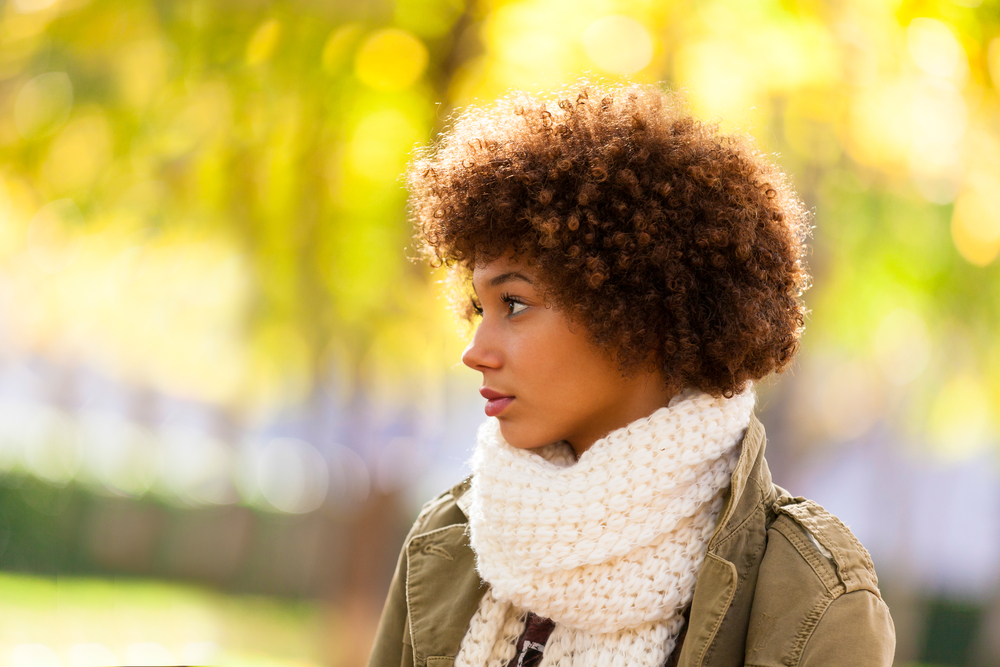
505	298
508	299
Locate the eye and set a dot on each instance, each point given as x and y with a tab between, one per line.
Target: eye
514	305
475	306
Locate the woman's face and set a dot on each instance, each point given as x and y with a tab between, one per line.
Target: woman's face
543	379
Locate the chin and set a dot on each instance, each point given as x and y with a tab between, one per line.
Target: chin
520	438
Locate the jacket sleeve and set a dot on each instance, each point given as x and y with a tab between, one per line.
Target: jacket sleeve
856	630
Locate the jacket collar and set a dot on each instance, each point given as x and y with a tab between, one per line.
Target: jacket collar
729	561
749	485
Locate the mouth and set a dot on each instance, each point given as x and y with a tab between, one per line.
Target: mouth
495	401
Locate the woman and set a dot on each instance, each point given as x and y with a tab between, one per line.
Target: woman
634	272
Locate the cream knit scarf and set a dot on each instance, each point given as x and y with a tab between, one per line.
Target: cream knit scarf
607	546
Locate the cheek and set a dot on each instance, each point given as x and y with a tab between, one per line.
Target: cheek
559	362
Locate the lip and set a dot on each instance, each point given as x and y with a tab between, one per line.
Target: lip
495	401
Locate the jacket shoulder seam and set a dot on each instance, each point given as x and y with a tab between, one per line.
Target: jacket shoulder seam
851	562
820	565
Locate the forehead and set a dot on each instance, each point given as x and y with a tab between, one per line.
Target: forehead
502	267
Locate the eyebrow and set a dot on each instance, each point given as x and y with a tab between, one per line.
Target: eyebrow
507	277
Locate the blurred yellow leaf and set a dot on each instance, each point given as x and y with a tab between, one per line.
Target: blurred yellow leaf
79	153
263	42
142	71
338	45
43	104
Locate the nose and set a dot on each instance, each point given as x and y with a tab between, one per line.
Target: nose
482	354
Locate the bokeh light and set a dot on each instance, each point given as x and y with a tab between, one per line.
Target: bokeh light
934	48
390	59
975	222
43	104
618	44
292	476
219	366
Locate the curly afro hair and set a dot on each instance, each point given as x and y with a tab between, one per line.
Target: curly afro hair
671	242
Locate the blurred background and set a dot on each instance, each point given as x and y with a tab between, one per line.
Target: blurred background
225	389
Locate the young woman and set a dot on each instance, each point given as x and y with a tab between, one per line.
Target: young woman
633	272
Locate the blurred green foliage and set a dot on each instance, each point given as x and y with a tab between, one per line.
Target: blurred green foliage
204	197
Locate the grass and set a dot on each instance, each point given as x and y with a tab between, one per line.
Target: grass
72	622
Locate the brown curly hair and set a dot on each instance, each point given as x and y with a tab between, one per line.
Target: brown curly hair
667	239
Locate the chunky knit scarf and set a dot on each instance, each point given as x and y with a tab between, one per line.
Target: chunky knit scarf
607	546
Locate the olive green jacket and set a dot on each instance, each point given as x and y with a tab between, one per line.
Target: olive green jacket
784	583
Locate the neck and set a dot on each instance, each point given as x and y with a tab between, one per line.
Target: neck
638	397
